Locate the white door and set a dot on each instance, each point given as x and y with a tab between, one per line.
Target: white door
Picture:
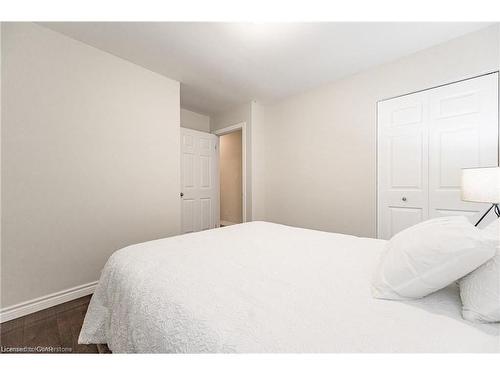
199	181
424	140
402	163
463	128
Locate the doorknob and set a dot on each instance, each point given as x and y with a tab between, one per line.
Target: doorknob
182	194
403	199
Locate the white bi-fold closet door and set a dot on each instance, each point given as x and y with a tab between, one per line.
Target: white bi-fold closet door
199	181
424	140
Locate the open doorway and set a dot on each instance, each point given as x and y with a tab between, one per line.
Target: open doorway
232	174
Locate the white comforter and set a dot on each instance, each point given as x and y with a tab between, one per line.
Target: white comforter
261	287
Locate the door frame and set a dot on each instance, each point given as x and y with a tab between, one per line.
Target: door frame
230	129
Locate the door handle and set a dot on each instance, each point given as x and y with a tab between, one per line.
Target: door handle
182	194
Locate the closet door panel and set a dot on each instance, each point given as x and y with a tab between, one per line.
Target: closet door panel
402	163
463	133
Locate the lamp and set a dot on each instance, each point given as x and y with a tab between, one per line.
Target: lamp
482	185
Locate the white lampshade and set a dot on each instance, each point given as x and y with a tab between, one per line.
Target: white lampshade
481	184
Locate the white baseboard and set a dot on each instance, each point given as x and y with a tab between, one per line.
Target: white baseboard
37	304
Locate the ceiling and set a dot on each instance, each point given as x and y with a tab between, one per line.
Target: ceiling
221	65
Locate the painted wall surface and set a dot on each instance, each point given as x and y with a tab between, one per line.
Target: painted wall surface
230	159
314	159
258	161
195	121
90	160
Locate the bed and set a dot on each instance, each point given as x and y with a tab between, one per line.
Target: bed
262	287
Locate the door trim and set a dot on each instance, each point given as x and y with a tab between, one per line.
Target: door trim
438	86
230	129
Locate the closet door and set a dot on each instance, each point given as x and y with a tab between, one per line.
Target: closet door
424	140
463	127
402	163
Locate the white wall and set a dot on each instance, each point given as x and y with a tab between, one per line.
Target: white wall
241	113
90	160
315	153
258	161
195	121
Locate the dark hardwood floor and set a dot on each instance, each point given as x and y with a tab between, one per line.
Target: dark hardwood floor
54	330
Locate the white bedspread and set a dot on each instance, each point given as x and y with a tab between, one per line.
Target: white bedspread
261	287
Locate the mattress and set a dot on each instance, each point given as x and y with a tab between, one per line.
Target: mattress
262	287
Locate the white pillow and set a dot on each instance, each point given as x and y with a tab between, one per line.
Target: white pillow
480	290
429	256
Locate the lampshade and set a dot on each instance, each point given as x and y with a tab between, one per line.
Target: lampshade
481	184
